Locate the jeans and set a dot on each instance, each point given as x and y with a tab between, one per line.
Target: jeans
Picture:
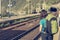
50	37
46	36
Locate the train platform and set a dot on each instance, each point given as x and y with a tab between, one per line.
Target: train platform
35	32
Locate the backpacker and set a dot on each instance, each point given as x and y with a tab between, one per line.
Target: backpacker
52	26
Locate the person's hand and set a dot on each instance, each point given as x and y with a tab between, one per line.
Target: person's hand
44	32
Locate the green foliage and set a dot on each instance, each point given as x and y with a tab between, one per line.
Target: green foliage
53	1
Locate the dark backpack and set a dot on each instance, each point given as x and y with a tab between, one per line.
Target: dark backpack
49	27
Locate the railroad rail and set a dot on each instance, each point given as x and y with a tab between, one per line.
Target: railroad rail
16	21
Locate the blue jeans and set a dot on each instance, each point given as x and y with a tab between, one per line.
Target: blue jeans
46	36
50	37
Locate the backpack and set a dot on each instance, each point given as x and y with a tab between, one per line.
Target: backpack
52	26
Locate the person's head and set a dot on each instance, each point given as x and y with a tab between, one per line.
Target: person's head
43	14
53	10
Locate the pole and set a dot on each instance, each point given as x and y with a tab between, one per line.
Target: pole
9	5
0	8
29	6
41	1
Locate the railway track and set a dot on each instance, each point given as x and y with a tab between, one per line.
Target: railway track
31	34
10	32
15	21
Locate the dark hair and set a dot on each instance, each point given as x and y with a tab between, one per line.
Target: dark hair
43	11
43	14
53	9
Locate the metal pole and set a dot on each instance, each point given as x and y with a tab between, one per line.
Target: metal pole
9	6
0	8
41	4
29	6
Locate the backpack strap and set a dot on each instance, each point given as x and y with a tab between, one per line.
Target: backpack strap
53	19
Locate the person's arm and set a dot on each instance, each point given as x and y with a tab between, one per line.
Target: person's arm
40	28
